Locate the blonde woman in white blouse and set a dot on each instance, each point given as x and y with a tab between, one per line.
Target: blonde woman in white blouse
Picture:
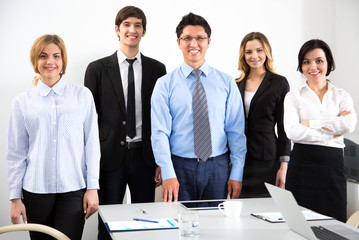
315	118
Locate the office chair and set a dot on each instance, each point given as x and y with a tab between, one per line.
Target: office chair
34	227
354	220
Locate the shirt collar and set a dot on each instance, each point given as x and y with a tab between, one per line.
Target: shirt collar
187	70
58	88
306	86
121	57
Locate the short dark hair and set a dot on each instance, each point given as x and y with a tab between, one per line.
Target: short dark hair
314	44
193	20
131	11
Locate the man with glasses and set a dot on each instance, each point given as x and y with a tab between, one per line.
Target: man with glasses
121	85
197	123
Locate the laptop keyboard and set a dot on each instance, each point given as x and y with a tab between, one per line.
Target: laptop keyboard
325	234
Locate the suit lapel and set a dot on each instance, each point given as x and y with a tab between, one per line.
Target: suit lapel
115	75
242	87
262	87
146	74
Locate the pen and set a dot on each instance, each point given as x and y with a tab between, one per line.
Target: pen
145	220
280	218
143	211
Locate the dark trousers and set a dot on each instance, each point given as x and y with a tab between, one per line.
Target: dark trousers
62	211
202	180
134	172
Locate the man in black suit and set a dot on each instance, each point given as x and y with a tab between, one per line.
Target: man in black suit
122	86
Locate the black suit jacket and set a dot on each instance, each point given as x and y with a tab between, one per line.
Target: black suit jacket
103	78
265	111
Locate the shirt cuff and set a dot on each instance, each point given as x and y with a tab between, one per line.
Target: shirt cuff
167	173
15	194
236	174
92	184
284	159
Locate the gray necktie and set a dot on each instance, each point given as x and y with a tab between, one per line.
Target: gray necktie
201	128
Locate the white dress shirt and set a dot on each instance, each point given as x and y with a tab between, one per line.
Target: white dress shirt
53	141
137	71
304	104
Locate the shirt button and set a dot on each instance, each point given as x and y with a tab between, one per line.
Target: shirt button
53	158
124	123
54	123
122	143
54	140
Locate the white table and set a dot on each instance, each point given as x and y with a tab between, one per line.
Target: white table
213	225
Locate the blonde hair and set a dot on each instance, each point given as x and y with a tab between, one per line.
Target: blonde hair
39	45
242	65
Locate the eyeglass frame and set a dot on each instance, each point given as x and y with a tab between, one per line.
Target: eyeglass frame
189	39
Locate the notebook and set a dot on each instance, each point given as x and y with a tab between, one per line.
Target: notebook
295	220
153	224
276	217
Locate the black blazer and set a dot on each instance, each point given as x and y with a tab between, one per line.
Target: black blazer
103	78
265	111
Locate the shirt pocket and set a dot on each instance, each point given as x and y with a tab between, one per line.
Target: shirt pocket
32	122
73	126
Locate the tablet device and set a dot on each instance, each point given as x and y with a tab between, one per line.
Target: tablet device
202	204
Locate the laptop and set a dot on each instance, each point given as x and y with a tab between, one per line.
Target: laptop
296	222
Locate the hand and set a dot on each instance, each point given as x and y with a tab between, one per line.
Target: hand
90	202
17	210
305	123
234	188
281	174
170	187
344	113
158	177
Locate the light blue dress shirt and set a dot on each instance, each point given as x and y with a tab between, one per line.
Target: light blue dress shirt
172	118
53	141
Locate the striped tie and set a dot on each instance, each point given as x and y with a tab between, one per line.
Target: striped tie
201	128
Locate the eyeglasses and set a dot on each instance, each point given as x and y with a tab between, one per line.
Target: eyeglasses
189	39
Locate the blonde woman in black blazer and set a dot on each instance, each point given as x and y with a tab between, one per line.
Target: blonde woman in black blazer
263	92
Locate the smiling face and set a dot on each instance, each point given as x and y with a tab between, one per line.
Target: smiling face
130	32
254	54
50	64
315	66
194	51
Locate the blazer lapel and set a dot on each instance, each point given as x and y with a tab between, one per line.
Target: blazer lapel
114	72
262	87
146	73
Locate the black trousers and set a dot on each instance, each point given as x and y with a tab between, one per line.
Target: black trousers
134	172
62	211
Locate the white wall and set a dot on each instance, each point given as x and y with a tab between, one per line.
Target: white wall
87	27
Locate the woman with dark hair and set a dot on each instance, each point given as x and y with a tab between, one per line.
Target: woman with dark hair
315	118
53	149
263	93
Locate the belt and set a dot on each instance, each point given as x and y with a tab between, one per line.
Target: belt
210	158
133	145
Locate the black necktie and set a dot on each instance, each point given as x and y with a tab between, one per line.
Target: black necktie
131	109
201	127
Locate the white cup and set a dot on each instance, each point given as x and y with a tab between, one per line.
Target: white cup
232	209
